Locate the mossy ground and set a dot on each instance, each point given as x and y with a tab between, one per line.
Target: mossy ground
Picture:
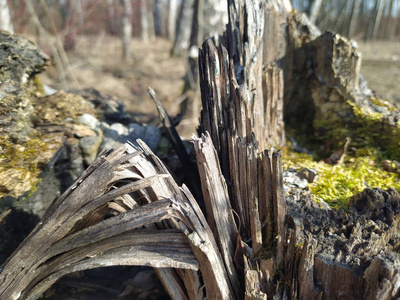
373	139
335	184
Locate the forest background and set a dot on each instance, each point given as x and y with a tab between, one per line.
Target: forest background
122	47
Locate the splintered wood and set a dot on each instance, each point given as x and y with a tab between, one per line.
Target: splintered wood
253	177
125	209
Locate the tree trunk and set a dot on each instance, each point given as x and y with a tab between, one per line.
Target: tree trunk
126	30
184	24
354	17
396	23
144	22
158	17
150	20
371	21
112	22
172	11
215	14
315	10
387	29
5	18
378	19
190	106
78	8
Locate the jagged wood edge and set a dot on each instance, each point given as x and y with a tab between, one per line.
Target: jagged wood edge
165	200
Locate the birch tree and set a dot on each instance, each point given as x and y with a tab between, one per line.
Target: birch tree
172	11
5	19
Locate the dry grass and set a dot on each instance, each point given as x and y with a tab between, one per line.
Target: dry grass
96	63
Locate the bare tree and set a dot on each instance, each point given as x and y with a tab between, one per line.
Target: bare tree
373	19
112	23
315	9
5	19
150	20
377	21
216	14
394	30
354	17
172	11
77	7
387	29
54	43
126	29
144	21
157	11
182	35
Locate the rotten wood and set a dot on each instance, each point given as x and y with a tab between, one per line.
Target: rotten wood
228	117
288	254
62	243
219	211
191	172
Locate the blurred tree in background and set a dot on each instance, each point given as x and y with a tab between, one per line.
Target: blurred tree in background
56	24
359	19
172	19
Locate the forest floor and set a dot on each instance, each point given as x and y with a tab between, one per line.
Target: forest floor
96	63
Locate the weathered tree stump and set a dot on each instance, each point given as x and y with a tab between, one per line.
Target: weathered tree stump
300	250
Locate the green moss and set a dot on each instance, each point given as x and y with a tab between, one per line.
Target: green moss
336	184
21	162
382	103
21	155
367	131
372	130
